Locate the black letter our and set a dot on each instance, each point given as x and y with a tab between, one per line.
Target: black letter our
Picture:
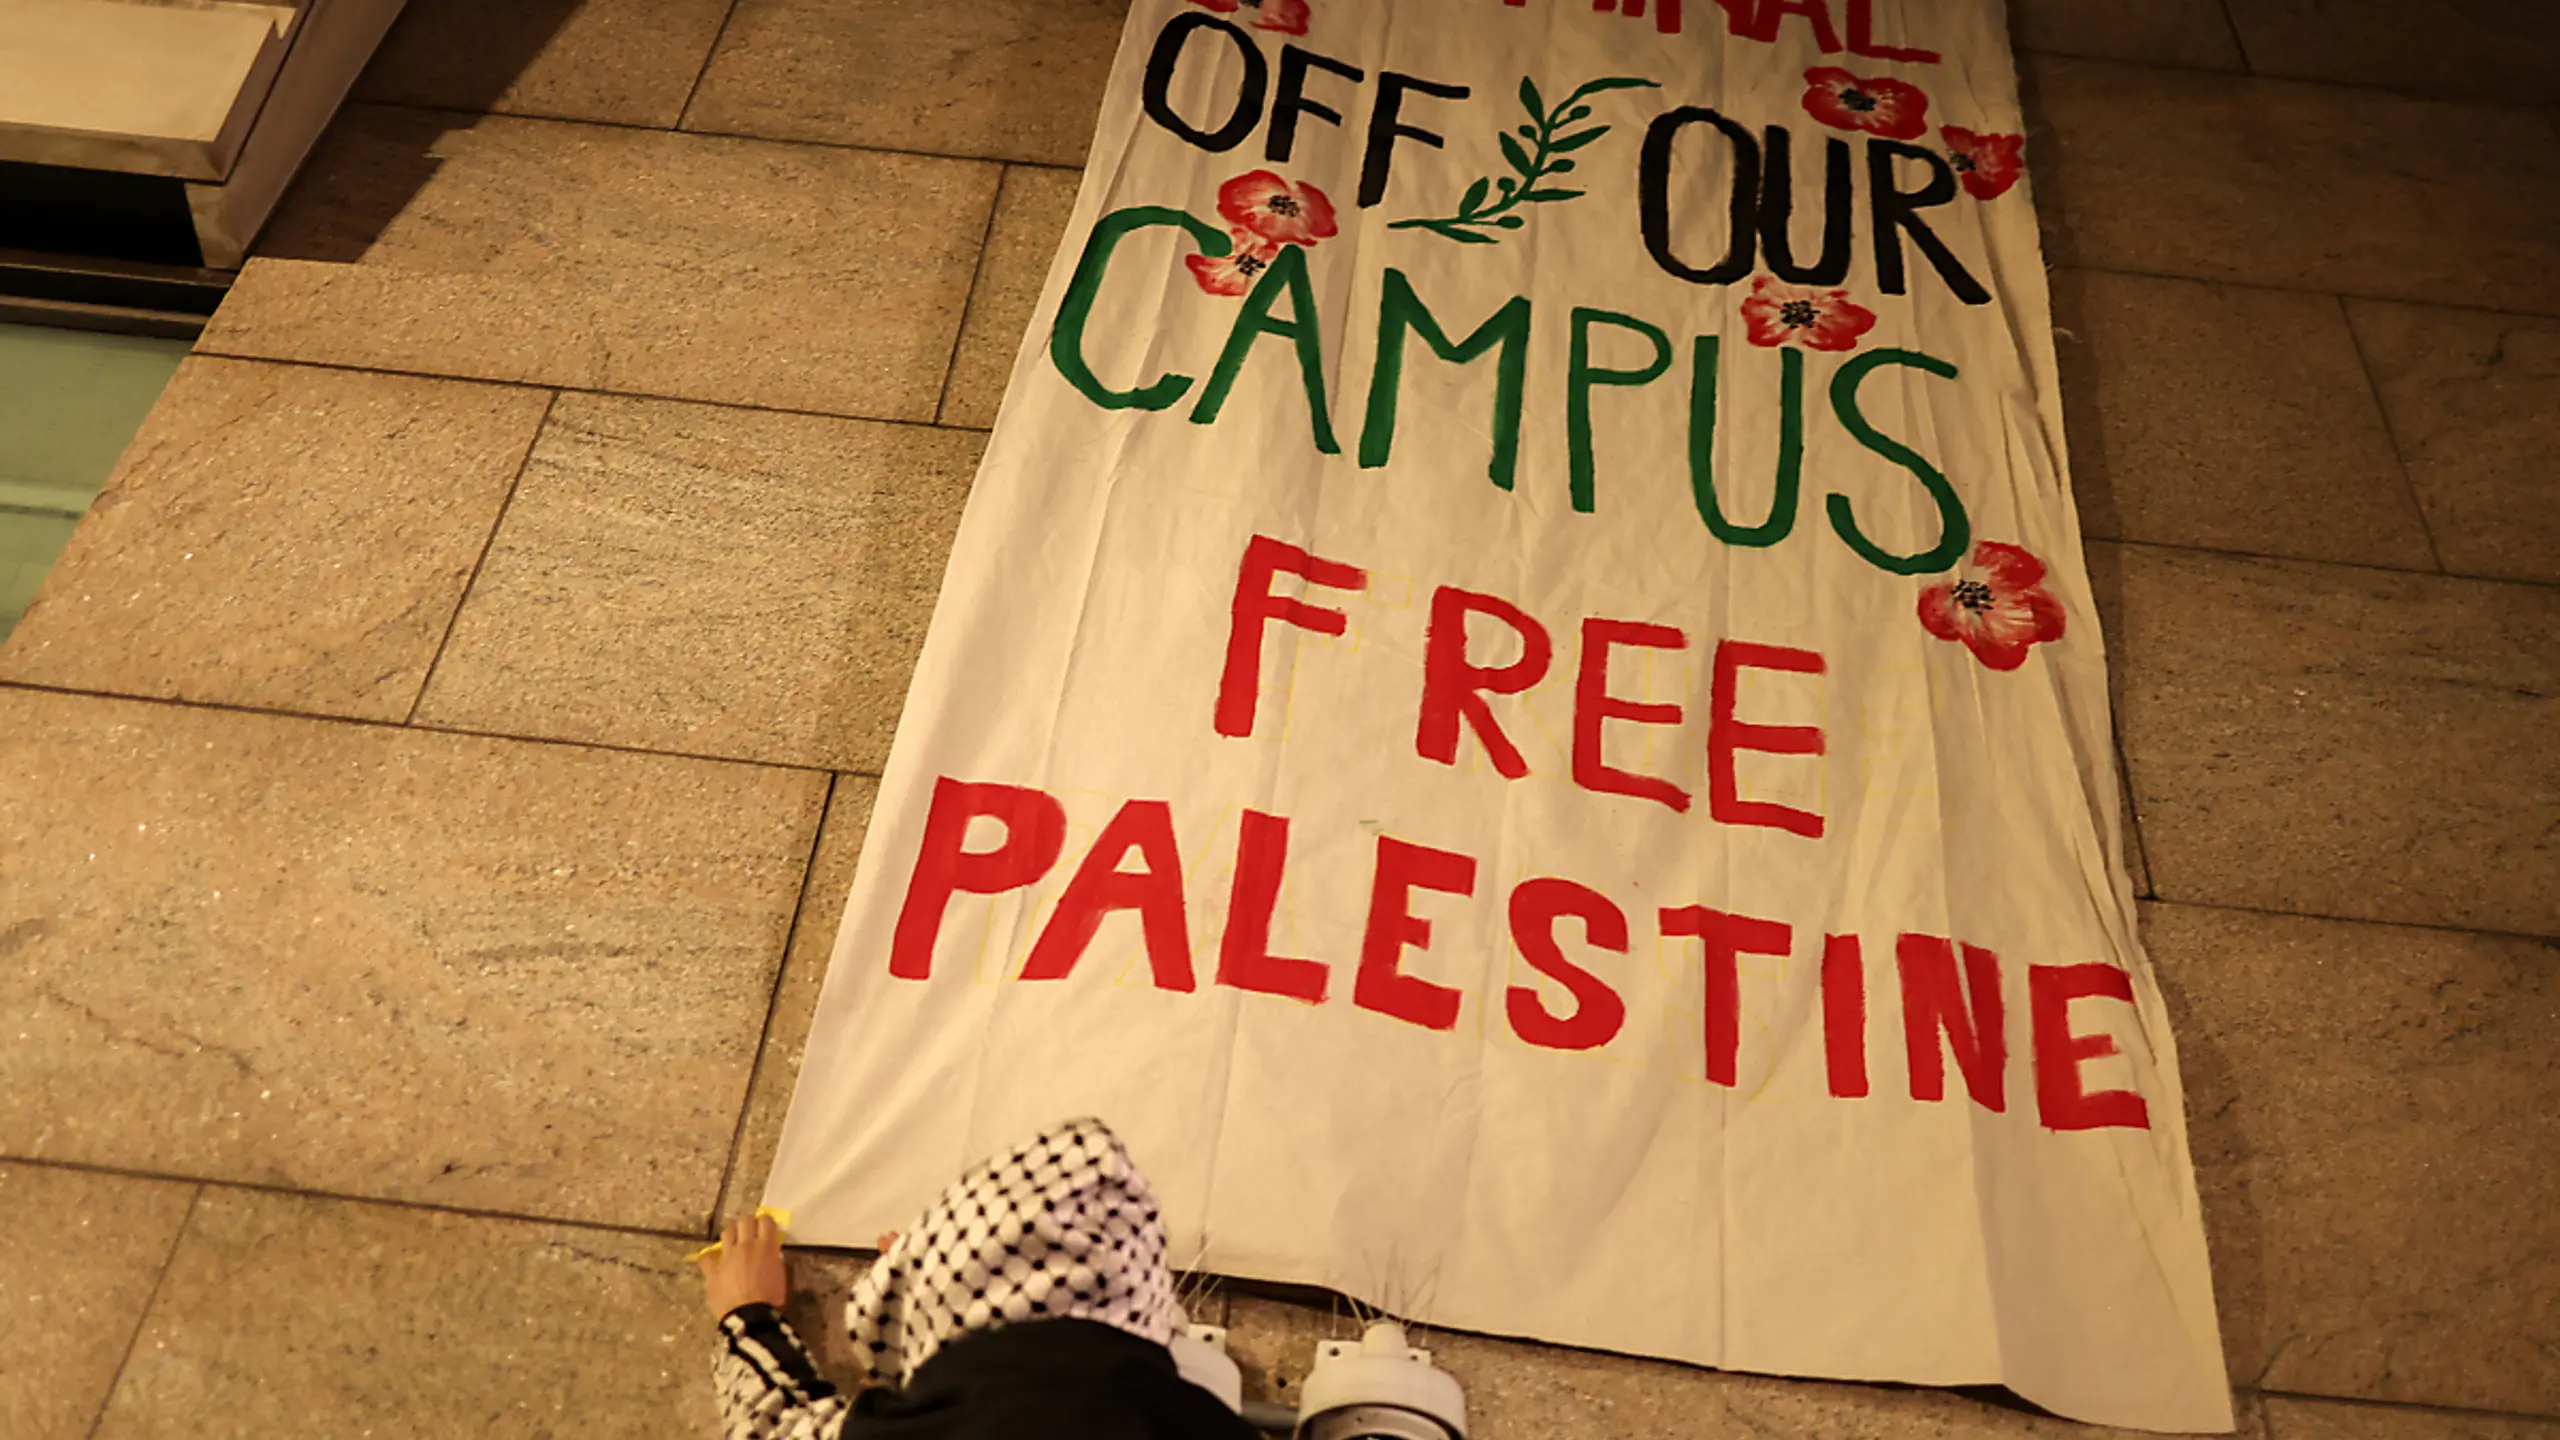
1897	212
1653	196
1777	208
1161	61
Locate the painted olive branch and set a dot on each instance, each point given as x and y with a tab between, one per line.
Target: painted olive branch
1488	204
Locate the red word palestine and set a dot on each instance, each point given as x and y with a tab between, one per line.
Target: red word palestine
1454	686
1952	995
1759	20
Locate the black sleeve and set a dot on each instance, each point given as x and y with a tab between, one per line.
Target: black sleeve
768	1389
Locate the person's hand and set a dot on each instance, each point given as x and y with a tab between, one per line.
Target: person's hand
747	1267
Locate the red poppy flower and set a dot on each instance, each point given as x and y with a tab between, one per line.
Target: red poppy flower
1276	210
1820	319
1233	273
1988	164
1289	17
1996	605
1880	106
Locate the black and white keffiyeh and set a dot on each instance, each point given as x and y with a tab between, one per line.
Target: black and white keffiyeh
1062	1228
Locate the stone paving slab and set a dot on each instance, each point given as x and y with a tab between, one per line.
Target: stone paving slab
709	581
1031	219
2484	49
2273	182
2230	418
2331	740
364	960
282	537
78	1260
795	995
2290	1419
785	276
629	62
2375	1116
288	1315
2134	863
2474	403
1001	79
2189	33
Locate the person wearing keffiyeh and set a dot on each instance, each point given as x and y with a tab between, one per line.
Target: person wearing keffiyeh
1031	1300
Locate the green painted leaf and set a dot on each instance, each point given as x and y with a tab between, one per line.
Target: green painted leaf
1615	82
1487	200
1449	229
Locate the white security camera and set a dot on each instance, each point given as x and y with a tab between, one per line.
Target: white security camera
1200	1354
1379	1388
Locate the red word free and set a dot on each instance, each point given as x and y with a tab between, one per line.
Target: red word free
1454	685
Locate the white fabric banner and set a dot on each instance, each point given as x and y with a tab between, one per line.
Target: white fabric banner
1518	708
